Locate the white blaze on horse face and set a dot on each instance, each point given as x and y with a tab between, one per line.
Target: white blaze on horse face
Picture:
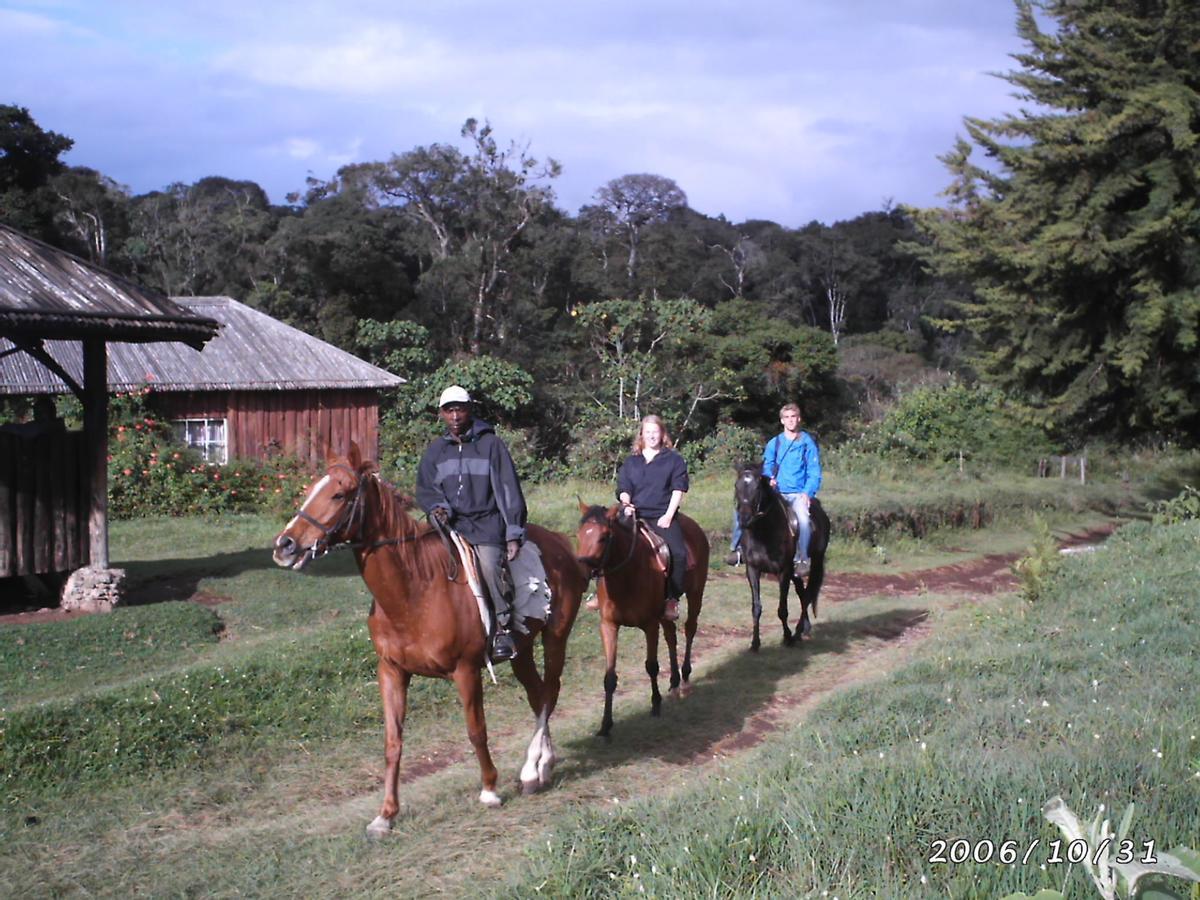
316	489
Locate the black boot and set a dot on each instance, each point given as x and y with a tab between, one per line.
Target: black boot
504	647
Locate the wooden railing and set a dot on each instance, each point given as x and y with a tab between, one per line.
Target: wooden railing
43	503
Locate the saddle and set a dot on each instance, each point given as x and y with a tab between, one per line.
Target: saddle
524	576
662	553
793	523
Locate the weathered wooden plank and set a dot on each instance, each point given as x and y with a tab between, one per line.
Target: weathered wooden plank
72	547
43	509
8	512
24	483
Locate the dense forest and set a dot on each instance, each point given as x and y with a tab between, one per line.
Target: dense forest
1059	285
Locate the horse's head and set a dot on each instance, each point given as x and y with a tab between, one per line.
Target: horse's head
595	534
331	514
749	492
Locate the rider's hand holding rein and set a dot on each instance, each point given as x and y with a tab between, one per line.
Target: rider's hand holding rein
627	504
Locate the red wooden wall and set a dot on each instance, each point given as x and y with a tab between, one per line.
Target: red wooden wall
304	424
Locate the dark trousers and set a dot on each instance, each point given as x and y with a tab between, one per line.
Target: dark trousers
674	538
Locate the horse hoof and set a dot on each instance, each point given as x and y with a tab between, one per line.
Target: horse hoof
530	787
379	828
789	640
806	629
754	645
490	799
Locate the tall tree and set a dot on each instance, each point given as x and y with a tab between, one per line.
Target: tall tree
92	212
29	157
474	209
628	204
1081	234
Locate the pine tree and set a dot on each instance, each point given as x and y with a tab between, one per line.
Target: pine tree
1079	234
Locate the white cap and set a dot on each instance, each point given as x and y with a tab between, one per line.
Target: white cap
454	394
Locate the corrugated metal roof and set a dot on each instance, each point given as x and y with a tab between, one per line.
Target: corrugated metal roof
49	293
251	352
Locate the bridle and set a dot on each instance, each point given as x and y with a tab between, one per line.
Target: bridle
760	509
350	522
602	568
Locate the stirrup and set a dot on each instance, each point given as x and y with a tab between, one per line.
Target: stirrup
504	647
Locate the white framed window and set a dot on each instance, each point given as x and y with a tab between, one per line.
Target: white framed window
207	436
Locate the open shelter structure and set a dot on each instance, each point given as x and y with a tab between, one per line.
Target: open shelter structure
258	389
54	486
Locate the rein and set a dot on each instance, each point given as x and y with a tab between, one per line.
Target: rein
600	570
351	522
760	507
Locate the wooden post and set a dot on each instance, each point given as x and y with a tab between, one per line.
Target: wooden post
1083	470
960	461
95	441
1062	474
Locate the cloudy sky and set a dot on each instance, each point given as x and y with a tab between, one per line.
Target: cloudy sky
790	110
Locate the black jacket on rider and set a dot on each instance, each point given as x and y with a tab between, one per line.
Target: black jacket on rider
475	479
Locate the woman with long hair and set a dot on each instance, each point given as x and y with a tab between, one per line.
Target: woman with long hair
651	483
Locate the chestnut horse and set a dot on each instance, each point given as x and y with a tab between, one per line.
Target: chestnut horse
424	623
769	546
633	592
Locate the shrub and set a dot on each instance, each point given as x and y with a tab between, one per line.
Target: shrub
598	444
724	448
937	423
150	474
1036	571
1182	507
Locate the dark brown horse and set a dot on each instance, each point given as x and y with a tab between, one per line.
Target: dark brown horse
768	545
423	623
633	592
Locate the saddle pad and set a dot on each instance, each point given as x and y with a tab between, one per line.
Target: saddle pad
531	590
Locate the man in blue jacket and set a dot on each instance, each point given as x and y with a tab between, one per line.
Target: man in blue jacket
792	461
467	480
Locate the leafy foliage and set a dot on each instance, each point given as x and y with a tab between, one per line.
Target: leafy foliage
939	422
1037	571
1183	506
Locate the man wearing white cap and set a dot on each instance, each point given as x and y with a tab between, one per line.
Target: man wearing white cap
467	479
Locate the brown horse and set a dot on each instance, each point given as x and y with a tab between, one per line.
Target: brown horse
633	592
424	623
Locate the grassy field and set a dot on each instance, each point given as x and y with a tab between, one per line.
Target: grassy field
235	748
1091	694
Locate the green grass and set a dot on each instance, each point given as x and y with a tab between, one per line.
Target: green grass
229	749
1090	694
40	662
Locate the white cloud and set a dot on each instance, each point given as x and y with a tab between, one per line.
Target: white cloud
16	24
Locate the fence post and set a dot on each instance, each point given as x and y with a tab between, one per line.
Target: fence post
1083	470
1062	472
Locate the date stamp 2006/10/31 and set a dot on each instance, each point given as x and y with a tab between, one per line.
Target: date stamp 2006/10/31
1055	853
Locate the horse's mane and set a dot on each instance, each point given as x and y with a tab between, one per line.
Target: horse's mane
423	556
598	514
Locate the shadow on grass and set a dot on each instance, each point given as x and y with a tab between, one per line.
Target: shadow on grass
721	705
162	580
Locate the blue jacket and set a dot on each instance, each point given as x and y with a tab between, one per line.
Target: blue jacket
475	479
795	465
